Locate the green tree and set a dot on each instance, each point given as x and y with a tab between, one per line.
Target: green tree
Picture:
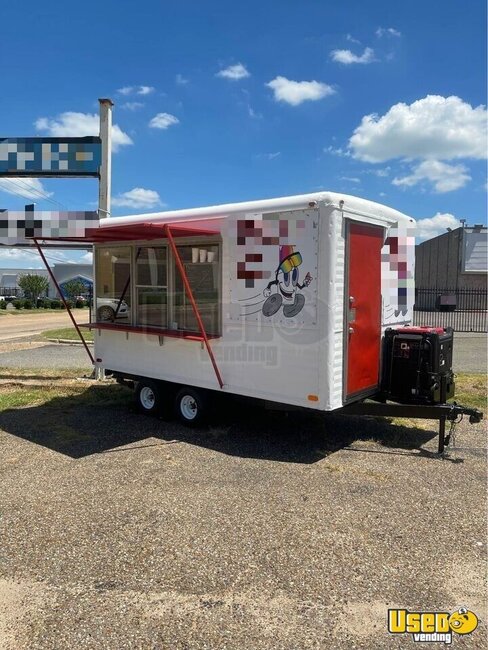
73	288
33	285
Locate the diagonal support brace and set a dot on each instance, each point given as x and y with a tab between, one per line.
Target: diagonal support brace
194	305
63	299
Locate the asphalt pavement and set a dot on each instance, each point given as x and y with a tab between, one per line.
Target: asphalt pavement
49	355
16	326
470	352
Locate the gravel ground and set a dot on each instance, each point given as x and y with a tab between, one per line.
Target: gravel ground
258	531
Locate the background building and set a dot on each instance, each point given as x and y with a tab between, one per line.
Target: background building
62	272
454	260
451	270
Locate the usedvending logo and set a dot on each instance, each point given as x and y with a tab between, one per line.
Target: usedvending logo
431	627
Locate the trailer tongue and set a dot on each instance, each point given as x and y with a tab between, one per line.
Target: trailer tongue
441	412
417	380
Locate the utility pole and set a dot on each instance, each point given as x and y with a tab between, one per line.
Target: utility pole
105	186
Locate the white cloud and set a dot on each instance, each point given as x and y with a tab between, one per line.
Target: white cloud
29	188
80	124
137	198
444	177
253	114
387	31
87	258
234	72
436	225
163	121
337	151
145	90
181	80
296	92
16	255
347	57
268	156
136	90
436	127
350	179
132	106
351	39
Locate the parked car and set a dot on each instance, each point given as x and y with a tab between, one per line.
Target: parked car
106	308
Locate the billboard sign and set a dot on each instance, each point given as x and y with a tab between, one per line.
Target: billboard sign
18	228
57	157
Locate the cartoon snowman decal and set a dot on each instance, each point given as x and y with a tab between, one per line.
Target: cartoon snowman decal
287	288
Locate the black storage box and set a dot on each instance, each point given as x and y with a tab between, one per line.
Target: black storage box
417	365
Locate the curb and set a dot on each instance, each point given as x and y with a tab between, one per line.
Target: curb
68	341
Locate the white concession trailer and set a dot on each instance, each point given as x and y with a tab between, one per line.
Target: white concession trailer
283	300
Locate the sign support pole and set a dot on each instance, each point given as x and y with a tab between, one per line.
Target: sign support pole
105	186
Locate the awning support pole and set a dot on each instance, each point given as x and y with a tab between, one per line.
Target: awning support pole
63	299
194	305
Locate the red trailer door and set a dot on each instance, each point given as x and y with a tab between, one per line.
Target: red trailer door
362	309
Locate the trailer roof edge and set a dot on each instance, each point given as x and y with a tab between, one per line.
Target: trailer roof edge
350	203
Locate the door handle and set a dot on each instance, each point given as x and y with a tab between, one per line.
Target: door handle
351	330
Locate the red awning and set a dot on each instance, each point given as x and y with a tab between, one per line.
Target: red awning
144	231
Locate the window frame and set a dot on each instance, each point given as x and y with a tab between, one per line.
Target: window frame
171	274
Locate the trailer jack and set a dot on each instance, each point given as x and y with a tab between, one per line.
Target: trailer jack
441	412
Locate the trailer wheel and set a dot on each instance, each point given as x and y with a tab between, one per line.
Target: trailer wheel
150	397
190	407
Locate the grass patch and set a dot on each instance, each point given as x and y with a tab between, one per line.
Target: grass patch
40	310
61	398
43	373
68	333
471	390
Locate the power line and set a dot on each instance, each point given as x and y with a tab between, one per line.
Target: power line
21	184
21	192
38	193
50	257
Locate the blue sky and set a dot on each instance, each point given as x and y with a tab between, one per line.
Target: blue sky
219	102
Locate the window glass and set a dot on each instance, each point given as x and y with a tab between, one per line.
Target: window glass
113	284
151	286
151	267
202	266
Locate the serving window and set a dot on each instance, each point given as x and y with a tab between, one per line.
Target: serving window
147	283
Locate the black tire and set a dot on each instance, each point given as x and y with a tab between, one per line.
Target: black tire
151	398
191	406
105	313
